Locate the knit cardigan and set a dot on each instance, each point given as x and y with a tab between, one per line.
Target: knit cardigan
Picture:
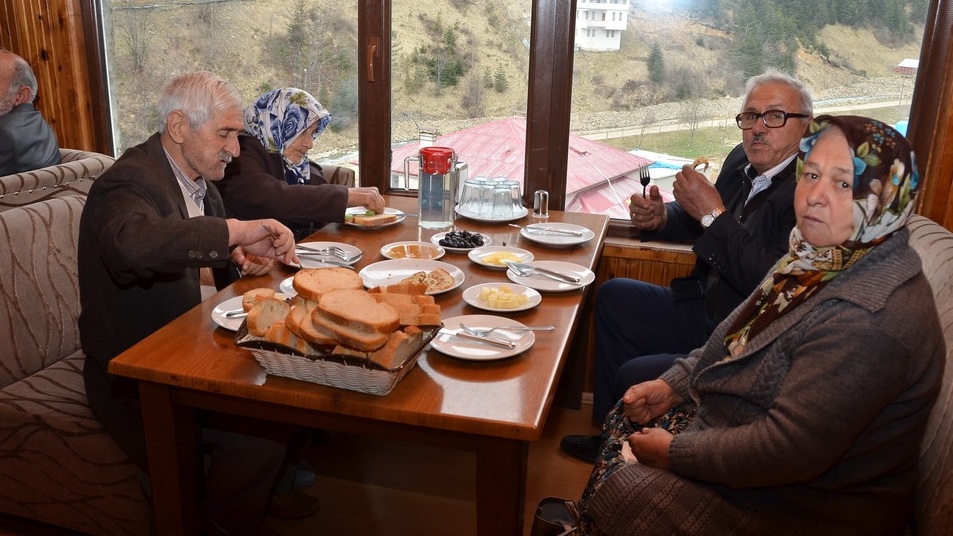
814	429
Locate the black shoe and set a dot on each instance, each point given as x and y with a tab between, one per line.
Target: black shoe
293	505
583	447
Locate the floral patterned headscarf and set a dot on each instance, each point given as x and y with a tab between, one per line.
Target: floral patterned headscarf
885	185
278	117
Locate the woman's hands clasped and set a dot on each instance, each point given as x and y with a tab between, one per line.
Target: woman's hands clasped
642	403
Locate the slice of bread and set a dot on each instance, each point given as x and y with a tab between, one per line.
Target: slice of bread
402	288
312	283
400	346
265	313
299	321
375	221
439	279
357	310
254	296
348	336
280	333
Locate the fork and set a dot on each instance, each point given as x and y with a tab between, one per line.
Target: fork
644	178
486	332
331	250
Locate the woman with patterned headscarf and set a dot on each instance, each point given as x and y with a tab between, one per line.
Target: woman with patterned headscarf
265	180
804	411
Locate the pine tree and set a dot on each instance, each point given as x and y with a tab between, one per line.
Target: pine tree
656	64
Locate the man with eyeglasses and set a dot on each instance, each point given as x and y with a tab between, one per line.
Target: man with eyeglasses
740	226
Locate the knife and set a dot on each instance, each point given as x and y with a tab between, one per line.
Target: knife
523	269
533	229
497	342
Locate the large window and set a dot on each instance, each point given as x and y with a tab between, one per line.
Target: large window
650	83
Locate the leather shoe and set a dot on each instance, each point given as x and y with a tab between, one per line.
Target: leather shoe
583	447
293	505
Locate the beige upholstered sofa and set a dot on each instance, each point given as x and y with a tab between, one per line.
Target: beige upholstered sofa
934	507
73	176
57	463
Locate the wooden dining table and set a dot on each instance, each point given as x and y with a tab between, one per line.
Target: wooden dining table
492	408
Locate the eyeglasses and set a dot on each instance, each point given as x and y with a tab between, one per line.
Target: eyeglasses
770	118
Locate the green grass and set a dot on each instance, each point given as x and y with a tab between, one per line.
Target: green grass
715	143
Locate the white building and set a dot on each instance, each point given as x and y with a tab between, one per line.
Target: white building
600	23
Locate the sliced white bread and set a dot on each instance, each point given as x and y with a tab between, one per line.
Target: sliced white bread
255	295
376	220
352	338
299	320
357	310
280	333
265	313
312	283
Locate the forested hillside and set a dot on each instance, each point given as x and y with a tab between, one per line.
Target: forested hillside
461	62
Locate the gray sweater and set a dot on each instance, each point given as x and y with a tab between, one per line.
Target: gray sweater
814	429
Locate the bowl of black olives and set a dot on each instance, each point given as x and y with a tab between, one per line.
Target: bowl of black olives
461	241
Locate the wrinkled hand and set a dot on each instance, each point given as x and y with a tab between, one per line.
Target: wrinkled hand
694	193
266	238
249	264
650	446
647	400
367	197
648	213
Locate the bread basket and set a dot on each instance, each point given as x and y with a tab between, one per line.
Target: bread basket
334	370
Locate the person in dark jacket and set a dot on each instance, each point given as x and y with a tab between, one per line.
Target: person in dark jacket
27	141
740	227
273	178
805	410
152	222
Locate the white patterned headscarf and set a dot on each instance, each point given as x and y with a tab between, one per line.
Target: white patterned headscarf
278	117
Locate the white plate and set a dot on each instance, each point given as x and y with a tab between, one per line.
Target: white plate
558	240
412	251
232	304
477	255
474	350
476	217
387	210
393	271
287	286
439	236
314	261
471	296
545	284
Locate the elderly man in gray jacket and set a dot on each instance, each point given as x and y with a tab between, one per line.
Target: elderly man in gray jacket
26	140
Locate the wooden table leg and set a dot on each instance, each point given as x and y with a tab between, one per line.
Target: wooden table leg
171	439
501	486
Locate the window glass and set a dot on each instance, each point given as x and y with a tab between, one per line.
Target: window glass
257	45
661	85
459	72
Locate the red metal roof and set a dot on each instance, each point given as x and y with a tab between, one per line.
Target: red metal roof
497	149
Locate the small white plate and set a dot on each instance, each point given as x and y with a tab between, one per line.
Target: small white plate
476	217
477	255
474	350
472	296
314	261
394	271
546	284
287	286
439	236
359	211
412	250
232	323
554	239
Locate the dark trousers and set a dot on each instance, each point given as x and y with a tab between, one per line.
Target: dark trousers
640	331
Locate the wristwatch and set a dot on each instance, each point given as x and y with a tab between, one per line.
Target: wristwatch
709	218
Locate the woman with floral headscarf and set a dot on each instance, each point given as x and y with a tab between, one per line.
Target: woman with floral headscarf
266	177
804	411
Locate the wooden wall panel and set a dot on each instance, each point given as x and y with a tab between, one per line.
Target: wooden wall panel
931	123
52	36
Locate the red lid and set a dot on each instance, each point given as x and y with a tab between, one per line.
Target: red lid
436	160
